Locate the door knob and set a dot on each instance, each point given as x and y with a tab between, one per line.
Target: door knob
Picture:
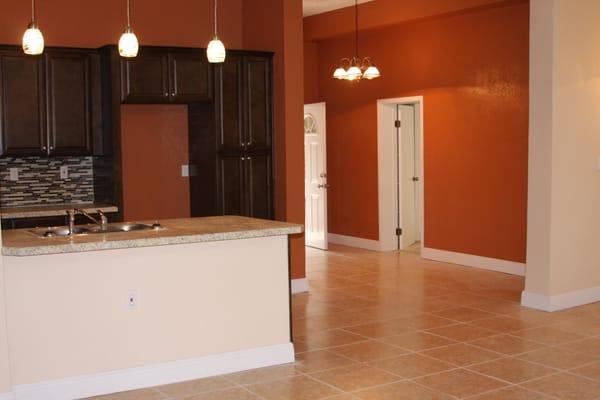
323	186
415	179
323	175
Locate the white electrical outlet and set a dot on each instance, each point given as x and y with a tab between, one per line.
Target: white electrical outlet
185	170
132	299
64	172
14	174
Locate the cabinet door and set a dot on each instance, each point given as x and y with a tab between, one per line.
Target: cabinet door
258	102
22	105
258	186
68	77
230	181
191	78
230	104
145	79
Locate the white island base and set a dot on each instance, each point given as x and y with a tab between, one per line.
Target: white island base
199	309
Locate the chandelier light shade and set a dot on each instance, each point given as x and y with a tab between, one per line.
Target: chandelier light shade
215	52
128	43
33	40
356	68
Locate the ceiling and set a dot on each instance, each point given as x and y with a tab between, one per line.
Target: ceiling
313	7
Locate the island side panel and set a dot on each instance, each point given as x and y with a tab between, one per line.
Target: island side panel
68	314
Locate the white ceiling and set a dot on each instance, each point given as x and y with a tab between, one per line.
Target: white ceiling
312	7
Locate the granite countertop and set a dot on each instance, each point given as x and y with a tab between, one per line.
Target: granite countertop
22	242
52	210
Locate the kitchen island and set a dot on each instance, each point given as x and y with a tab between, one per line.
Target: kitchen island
107	312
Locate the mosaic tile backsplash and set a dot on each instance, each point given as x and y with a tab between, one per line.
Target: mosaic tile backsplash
40	183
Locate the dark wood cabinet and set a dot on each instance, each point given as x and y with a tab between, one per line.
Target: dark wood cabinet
242	139
22	104
163	75
49	104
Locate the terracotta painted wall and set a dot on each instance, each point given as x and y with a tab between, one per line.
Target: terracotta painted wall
311	72
472	69
155	146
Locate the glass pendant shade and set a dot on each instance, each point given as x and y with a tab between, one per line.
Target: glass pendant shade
216	51
339	73
128	44
353	73
33	40
372	72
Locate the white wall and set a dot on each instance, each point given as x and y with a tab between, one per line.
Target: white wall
563	249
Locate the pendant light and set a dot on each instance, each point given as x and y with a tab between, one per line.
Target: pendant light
215	50
356	68
33	40
128	44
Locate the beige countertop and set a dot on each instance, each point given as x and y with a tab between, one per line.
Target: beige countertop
52	210
22	242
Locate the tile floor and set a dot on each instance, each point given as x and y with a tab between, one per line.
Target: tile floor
392	326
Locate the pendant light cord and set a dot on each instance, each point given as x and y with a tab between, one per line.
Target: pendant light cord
128	14
33	11
215	18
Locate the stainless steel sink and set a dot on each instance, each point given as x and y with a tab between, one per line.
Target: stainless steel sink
64	231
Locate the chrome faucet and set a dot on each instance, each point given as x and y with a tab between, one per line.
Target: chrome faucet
102	222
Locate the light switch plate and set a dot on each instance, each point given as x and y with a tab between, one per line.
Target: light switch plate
64	172
13	174
185	170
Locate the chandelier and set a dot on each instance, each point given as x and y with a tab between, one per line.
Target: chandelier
356	68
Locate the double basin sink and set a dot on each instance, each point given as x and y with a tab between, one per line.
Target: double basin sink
65	231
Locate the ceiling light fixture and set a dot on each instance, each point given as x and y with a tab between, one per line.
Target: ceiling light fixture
33	40
128	44
356	68
216	49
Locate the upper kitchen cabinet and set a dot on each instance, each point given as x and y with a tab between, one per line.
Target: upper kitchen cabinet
257	87
50	105
166	75
22	104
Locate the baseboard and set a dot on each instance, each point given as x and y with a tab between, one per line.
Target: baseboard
352	241
560	301
7	396
298	286
152	375
469	260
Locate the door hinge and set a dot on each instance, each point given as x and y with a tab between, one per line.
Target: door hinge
398	231
397	124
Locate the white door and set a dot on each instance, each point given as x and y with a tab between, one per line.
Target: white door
315	176
407	217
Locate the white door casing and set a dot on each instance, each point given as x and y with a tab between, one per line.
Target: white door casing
315	175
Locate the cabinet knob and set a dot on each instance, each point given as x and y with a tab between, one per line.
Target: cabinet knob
51	147
166	94
43	147
243	158
249	158
173	94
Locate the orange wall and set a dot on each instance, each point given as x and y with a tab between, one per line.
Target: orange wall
311	72
472	69
154	147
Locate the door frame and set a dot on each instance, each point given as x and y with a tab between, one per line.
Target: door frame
387	171
323	105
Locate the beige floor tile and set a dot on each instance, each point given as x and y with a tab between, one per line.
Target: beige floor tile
401	391
556	357
547	335
189	388
461	354
505	344
591	371
412	365
329	338
566	387
590	347
263	374
368	351
589	326
142	394
503	324
355	377
381	329
511	393
460	383
462	332
294	388
512	370
227	394
463	314
417	341
318	360
426	321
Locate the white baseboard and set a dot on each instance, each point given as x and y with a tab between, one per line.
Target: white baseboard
493	264
153	375
298	286
352	241
560	301
7	396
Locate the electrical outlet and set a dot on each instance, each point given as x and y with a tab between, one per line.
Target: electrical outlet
132	299
185	171
14	174
64	172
